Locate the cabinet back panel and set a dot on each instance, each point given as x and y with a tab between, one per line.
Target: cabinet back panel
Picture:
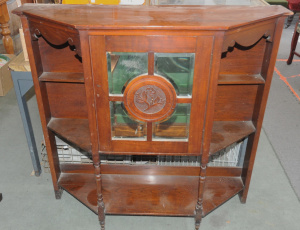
67	100
59	58
246	60
235	102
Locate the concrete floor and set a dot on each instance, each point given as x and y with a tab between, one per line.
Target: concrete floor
29	203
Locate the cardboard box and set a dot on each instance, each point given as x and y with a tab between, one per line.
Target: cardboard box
6	82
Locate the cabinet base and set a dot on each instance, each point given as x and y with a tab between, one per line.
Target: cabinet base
166	195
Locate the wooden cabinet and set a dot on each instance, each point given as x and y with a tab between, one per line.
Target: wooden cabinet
176	84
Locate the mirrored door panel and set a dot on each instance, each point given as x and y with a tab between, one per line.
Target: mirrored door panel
147	86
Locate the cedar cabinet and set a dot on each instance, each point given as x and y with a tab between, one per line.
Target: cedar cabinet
155	82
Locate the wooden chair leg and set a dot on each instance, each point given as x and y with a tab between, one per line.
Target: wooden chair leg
5	31
293	45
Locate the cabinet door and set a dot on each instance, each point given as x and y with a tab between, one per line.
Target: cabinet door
150	92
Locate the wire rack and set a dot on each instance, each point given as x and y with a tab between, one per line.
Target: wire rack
229	157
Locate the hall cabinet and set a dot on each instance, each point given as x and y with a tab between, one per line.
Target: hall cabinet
154	83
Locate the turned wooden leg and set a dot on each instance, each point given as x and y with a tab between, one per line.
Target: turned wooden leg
293	45
4	19
102	224
101	211
198	214
199	205
100	203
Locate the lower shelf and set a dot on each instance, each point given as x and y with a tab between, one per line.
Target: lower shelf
150	194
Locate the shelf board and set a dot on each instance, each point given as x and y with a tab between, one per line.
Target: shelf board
225	133
76	132
151	169
73	131
240	79
62	77
150	194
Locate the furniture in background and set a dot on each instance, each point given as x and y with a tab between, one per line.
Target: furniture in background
207	2
22	79
294	43
104	2
278	2
293	5
5	31
121	85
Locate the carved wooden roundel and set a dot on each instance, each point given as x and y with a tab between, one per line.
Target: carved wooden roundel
150	98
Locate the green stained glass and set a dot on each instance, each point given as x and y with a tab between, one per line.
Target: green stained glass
122	67
176	127
178	68
122	126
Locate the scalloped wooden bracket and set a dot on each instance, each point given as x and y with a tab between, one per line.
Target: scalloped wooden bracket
55	35
248	36
246	45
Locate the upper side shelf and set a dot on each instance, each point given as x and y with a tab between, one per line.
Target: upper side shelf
235	79
76	132
62	77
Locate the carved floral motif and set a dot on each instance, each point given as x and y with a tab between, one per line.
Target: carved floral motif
150	99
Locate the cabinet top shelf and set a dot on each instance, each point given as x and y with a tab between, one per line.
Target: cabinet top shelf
152	17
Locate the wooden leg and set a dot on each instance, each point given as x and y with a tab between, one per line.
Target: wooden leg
198	214
199	205
101	212
53	162
100	203
4	19
293	45
102	224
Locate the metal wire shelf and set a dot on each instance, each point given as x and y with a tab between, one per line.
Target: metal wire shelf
232	156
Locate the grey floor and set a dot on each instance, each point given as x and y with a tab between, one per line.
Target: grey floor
29	203
282	117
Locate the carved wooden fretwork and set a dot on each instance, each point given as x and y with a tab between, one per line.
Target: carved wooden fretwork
150	98
55	35
242	38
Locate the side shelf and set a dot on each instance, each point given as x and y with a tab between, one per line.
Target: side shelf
170	195
225	133
240	79
74	131
62	77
